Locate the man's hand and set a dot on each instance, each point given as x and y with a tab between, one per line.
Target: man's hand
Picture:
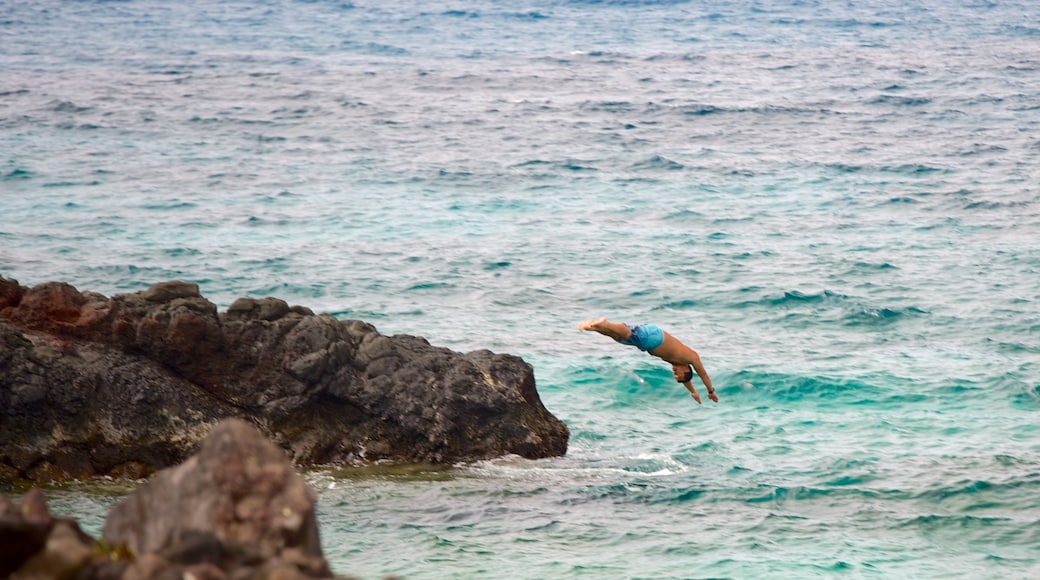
713	396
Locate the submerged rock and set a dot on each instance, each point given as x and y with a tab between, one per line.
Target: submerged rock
126	385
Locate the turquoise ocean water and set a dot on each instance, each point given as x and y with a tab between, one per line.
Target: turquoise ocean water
835	203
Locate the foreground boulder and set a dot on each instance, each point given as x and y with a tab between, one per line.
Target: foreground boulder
35	544
237	509
122	386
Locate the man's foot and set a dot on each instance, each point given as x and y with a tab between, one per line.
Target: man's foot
596	325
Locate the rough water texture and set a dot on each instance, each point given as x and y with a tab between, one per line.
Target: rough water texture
92	386
834	203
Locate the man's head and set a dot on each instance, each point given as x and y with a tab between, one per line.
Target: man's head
682	373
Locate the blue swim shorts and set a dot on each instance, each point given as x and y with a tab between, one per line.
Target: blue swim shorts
645	337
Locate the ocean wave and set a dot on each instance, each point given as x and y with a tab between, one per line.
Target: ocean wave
797	297
878	316
771	494
647	3
69	107
796	388
830	307
1028	398
1010	483
461	14
901	101
607	106
657	162
374	48
637	492
933	522
17	174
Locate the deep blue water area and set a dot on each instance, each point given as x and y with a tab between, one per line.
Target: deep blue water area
835	203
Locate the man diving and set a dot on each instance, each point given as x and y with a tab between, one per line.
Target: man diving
652	339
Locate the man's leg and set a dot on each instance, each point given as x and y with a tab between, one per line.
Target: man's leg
615	330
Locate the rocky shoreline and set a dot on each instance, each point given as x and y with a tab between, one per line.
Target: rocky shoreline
128	385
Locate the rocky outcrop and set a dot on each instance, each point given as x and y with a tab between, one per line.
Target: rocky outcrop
237	509
122	386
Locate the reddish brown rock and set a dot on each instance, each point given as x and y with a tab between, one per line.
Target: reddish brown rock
235	505
34	544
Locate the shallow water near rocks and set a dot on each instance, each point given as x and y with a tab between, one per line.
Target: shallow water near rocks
836	205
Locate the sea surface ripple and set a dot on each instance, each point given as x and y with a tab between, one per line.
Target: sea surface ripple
836	204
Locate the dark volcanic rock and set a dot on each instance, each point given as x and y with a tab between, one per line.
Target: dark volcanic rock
123	386
236	509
